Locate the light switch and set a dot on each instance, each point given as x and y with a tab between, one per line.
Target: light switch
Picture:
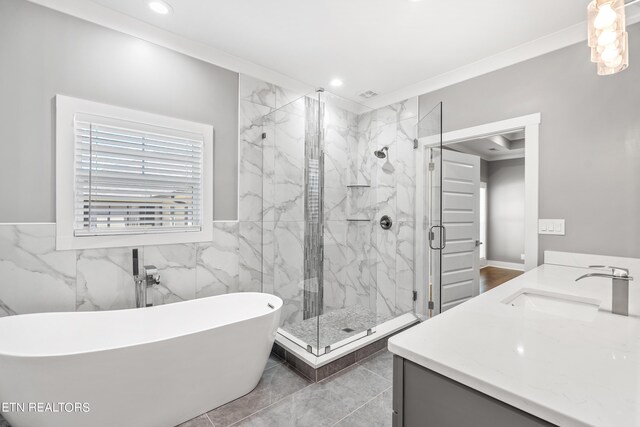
551	226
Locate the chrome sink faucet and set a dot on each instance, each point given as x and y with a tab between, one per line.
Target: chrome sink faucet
147	279
620	296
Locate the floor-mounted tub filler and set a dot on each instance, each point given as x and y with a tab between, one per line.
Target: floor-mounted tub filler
157	366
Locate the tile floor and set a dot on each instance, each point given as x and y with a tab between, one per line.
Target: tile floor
357	396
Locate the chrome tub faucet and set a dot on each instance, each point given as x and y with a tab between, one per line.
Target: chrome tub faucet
149	277
620	281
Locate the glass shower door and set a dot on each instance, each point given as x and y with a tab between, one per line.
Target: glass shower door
349	300
433	239
291	220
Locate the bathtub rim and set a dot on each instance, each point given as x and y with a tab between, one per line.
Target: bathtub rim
276	309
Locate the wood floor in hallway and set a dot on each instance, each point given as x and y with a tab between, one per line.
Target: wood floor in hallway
491	277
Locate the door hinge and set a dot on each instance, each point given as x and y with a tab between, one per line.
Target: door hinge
432	236
264	135
415	143
432	166
415	295
431	305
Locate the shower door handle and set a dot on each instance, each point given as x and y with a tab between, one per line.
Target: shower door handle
443	237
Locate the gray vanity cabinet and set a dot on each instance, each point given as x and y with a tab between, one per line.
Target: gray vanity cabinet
422	397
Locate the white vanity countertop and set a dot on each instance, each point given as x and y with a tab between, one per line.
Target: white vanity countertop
569	372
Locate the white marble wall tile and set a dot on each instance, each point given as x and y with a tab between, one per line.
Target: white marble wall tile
257	91
360	203
288	269
406	171
269	169
385	250
250	255
404	266
336	156
337	117
360	271
394	113
250	168
176	265
268	257
384	172
289	166
353	158
386	115
217	262
105	279
366	136
335	265
34	276
286	96
408	109
296	106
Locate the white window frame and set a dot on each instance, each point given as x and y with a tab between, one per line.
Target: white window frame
66	109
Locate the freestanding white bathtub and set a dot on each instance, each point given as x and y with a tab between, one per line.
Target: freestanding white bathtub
157	366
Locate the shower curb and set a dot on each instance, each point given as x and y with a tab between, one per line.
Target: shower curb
325	371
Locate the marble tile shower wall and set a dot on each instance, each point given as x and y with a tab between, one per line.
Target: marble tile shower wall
363	264
392	192
34	277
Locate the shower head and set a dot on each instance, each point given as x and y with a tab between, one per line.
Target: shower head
381	154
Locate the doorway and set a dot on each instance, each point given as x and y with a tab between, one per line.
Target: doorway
502	204
447	290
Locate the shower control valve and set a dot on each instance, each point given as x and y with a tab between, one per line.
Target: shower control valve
385	222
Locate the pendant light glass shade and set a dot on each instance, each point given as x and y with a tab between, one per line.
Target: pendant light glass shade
608	38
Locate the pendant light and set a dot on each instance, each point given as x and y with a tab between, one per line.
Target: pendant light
608	38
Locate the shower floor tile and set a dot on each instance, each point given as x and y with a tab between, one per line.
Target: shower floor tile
335	326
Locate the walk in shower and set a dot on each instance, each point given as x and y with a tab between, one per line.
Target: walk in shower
338	217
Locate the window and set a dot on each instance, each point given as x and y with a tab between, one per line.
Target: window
127	177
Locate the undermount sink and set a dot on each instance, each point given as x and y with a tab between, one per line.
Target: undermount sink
564	305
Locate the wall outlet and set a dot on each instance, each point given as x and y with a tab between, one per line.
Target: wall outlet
522	257
551	226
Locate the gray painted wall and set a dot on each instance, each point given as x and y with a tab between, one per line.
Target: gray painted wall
589	141
505	201
484	170
44	53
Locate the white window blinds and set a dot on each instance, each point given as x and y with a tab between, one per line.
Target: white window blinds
134	178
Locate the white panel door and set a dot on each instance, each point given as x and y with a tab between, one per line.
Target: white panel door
461	220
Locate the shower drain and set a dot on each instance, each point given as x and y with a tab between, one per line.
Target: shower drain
347	330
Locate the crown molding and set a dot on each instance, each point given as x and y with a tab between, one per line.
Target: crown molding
103	16
535	48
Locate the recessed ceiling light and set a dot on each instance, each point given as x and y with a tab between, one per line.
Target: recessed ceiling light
160	7
336	82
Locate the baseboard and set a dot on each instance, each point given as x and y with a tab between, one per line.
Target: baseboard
507	265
